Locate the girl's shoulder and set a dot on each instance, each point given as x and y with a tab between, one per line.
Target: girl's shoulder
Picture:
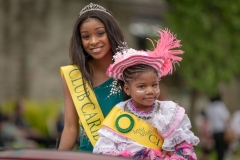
122	104
168	105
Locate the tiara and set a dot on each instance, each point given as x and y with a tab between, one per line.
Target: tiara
93	7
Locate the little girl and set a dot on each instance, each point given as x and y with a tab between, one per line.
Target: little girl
144	127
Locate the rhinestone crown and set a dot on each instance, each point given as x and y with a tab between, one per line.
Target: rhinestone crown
93	7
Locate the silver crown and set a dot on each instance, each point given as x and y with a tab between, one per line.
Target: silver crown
93	7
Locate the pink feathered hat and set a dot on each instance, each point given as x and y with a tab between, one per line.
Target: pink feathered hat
161	58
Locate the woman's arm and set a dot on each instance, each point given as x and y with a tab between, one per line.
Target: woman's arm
71	126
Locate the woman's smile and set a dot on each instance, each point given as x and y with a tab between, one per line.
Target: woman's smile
95	39
98	49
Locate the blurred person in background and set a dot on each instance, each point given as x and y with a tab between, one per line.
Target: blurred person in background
8	131
218	116
13	136
205	135
2	136
234	125
31	133
21	123
59	126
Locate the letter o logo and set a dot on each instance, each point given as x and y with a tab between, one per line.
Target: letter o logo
129	128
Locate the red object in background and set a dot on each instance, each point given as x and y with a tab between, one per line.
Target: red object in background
32	154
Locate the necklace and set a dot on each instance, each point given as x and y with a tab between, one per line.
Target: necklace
141	114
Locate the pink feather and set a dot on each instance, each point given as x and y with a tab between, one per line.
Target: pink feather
164	48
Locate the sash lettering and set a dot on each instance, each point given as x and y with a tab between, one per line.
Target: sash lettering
142	132
89	112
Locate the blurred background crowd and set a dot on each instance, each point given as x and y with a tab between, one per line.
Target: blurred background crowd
34	39
17	131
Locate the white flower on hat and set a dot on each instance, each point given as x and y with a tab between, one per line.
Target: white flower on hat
119	56
132	52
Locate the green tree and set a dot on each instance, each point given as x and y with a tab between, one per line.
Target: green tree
209	32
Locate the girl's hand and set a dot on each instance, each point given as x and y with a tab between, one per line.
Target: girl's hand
164	153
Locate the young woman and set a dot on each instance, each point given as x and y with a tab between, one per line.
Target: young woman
87	88
144	127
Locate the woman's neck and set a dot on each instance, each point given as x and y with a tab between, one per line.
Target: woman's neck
99	68
101	64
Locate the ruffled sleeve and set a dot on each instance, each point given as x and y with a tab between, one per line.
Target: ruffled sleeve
174	125
167	118
111	143
180	134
